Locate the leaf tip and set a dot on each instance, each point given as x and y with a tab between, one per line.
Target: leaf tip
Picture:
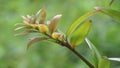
58	16
97	8
38	12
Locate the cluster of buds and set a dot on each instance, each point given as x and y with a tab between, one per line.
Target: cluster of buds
57	35
31	21
49	29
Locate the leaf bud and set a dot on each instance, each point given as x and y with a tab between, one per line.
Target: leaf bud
34	25
57	35
43	28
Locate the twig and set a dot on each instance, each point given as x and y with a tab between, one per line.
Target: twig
79	55
66	44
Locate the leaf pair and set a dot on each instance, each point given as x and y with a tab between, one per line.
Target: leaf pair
79	33
79	21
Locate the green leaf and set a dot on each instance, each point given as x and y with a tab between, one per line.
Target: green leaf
79	35
104	63
113	13
79	21
54	22
34	40
114	59
95	53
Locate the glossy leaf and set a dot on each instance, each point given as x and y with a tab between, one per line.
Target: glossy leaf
95	53
79	21
104	63
34	40
114	59
79	35
113	13
54	22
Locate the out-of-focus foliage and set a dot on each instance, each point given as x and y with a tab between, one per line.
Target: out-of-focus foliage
105	34
113	13
104	63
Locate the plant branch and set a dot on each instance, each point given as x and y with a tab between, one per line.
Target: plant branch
79	55
66	44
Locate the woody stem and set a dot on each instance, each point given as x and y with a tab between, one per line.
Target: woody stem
79	55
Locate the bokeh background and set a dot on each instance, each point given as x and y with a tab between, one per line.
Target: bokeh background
105	34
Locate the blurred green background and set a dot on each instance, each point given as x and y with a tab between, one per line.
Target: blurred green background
105	34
